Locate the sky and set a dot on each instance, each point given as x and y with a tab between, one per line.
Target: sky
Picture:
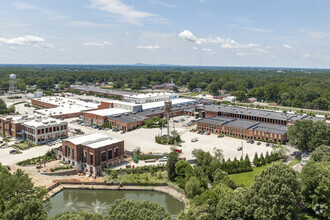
266	33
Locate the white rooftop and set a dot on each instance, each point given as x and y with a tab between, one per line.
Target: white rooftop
179	101
148	95
62	101
94	141
39	122
68	109
121	102
109	111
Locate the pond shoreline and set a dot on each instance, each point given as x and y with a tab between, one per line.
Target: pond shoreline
169	190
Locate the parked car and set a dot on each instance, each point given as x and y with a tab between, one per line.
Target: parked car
12	151
205	132
271	145
208	133
194	139
258	143
248	141
251	141
123	132
239	148
5	146
267	145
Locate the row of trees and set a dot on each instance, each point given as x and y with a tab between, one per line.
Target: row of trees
289	88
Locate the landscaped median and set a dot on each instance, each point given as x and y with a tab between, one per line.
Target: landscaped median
49	156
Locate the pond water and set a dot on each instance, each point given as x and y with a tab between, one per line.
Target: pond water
73	200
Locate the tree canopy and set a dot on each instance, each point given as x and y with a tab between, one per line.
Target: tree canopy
308	135
19	199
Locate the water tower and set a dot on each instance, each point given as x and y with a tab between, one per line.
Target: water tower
12	83
168	109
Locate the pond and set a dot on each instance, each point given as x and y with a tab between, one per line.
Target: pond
95	200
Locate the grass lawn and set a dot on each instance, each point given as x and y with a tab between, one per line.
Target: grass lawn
24	146
247	178
294	162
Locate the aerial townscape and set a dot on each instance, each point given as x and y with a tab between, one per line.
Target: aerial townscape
114	109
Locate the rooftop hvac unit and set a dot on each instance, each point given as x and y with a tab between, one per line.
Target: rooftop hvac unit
45	122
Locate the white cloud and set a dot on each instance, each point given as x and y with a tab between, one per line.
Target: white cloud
194	48
150	47
22	41
188	36
28	41
225	43
88	24
48	13
256	29
287	46
96	44
210	51
117	8
316	35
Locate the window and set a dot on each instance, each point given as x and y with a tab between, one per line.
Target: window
103	156
91	158
109	154
66	151
116	152
72	153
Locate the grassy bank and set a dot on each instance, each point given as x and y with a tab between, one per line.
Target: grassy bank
247	178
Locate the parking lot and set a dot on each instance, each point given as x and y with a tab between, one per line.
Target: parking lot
145	139
9	159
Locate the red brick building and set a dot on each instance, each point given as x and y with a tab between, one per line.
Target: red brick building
93	152
244	129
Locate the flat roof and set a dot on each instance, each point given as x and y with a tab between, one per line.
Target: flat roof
95	140
256	112
150	95
39	122
122	103
246	124
175	102
109	111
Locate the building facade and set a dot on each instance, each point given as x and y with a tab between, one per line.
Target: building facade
93	152
35	129
244	129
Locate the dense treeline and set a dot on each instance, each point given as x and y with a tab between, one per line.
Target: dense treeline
290	87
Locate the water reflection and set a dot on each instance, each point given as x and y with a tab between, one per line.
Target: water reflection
73	200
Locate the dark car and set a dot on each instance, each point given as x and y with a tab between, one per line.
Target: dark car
268	144
258	143
12	151
251	141
239	148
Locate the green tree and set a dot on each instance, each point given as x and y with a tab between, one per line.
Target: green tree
183	170
274	193
315	179
308	135
232	205
256	161
81	215
139	210
175	89
193	187
262	160
19	199
321	153
171	161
